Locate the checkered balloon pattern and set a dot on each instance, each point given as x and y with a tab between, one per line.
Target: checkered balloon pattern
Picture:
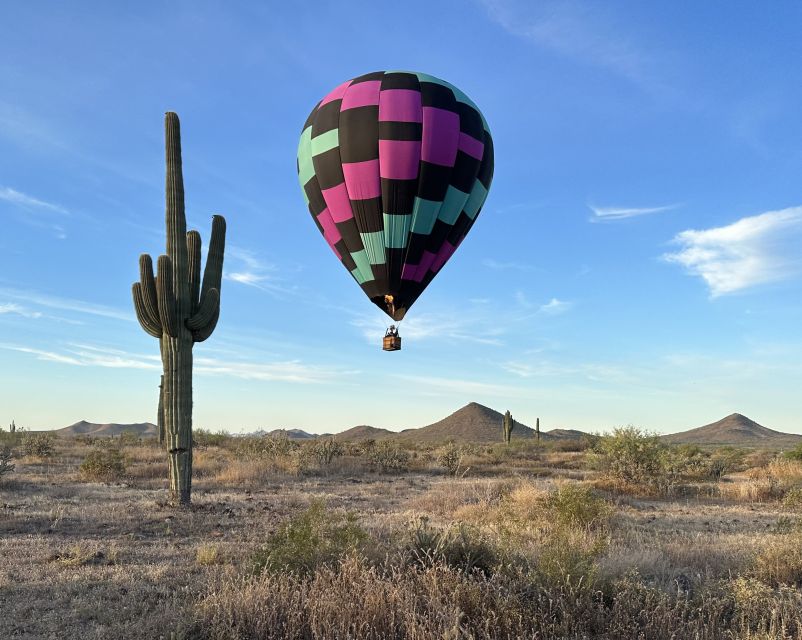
395	167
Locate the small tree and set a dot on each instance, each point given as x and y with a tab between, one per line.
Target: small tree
508	425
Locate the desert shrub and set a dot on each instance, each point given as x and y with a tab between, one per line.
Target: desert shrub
204	438
129	439
306	541
207	555
460	547
576	505
793	499
324	451
780	561
103	465
388	457
631	455
450	459
269	447
39	445
6	466
568	557
795	453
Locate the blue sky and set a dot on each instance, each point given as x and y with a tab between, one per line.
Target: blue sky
637	260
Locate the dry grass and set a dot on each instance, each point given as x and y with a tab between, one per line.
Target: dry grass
557	558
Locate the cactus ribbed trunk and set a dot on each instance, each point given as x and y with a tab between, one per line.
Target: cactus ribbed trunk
178	310
177	361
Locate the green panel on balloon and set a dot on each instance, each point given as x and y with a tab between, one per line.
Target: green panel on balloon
374	246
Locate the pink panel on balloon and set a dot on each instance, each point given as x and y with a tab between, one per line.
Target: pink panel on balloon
470	145
330	231
399	159
361	94
338	203
362	179
446	251
440	136
425	264
336	93
400	105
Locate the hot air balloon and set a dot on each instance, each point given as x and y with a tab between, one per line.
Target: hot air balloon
395	167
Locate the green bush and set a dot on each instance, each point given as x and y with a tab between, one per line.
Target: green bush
103	465
204	438
309	540
795	453
574	505
631	455
39	445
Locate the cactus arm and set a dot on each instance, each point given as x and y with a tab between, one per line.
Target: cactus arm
204	332
168	307
175	218
213	274
151	325
208	310
194	272
148	286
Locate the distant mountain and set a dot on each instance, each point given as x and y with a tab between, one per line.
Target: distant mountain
735	429
84	428
363	432
473	423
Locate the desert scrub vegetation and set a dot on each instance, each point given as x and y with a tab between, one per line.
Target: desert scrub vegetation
39	445
6	464
103	465
388	457
309	540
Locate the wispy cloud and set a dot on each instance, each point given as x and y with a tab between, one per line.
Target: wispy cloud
29	202
252	271
443	386
555	307
490	263
752	251
476	327
594	372
10	308
66	304
85	355
583	32
608	214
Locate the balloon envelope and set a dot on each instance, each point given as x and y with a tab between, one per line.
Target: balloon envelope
395	167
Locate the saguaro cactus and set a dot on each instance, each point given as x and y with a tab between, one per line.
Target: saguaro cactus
508	425
537	429
12	427
179	310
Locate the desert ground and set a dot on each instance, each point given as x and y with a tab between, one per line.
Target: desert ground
626	538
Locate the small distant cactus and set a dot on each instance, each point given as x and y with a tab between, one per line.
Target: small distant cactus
12	427
537	429
179	310
508	425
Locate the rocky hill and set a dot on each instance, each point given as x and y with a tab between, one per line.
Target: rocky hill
143	429
738	430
